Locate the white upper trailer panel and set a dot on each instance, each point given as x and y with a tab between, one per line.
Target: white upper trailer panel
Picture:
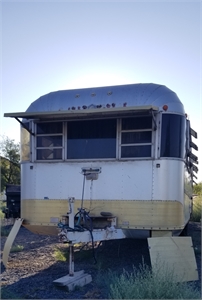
78	102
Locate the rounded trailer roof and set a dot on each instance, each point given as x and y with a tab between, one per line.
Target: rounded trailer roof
130	95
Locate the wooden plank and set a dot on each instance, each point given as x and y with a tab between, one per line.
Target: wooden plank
10	239
177	254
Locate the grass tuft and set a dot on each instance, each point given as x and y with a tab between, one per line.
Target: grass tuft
142	283
81	252
16	248
61	255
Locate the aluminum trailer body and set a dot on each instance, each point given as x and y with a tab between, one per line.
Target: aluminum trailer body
109	163
133	141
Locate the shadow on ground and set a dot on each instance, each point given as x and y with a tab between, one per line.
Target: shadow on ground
113	255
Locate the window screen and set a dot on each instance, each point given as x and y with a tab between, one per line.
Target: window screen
137	123
49	140
49	128
91	139
136	137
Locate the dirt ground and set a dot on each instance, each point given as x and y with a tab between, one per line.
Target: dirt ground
30	273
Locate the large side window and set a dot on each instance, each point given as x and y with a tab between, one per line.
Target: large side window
94	139
173	136
136	137
49	140
91	139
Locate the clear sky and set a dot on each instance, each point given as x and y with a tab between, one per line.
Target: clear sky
52	45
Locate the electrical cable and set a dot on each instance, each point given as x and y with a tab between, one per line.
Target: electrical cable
84	177
83	214
87	217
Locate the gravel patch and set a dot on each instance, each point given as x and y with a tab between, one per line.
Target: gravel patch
31	272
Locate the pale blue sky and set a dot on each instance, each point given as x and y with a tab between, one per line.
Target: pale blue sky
54	45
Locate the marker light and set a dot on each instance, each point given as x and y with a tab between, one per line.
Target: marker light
165	107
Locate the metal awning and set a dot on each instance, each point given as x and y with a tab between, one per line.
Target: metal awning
83	113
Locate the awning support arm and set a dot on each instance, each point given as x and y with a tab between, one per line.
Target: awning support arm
154	120
23	125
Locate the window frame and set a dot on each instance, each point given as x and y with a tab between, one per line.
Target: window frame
50	148
183	149
89	159
136	144
119	144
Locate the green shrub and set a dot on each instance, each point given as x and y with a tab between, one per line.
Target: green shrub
2	208
197	188
197	206
142	283
1	215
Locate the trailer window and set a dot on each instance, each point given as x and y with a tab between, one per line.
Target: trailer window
49	141
136	137
173	136
25	143
91	139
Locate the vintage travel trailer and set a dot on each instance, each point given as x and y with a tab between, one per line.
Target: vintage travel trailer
107	163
